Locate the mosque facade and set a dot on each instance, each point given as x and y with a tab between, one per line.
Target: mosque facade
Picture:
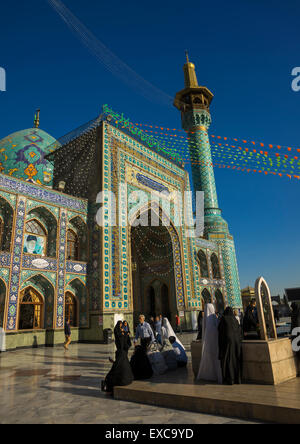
58	262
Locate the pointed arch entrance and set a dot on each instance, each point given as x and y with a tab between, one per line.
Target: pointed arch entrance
37	290
156	267
31	310
71	309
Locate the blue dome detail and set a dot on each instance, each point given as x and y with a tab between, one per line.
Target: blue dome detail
22	155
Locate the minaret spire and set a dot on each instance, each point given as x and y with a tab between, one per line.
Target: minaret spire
37	119
190	77
194	103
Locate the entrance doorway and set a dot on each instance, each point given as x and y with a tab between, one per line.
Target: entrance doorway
31	310
154	290
158	302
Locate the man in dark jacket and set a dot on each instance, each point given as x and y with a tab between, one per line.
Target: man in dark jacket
67	334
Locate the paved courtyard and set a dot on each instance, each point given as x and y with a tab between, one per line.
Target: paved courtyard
49	385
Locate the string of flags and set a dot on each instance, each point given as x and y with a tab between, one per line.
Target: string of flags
241	155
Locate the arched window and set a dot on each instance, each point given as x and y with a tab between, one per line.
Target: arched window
1	233
219	302
72	246
71	309
35	238
215	266
77	240
206	296
203	264
6	225
31	310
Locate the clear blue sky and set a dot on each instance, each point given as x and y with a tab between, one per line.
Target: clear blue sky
244	51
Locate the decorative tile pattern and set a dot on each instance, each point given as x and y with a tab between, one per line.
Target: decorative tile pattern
95	273
32	204
39	263
76	267
11	198
16	266
61	270
5	259
41	193
73	214
22	155
203	243
231	273
71	277
152	184
114	247
4	274
29	274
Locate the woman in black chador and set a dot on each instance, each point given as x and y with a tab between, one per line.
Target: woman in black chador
140	363
230	348
200	323
120	373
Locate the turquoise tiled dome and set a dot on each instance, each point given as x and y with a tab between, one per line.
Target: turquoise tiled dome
22	155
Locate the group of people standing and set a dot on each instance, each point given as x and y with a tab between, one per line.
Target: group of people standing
222	356
157	350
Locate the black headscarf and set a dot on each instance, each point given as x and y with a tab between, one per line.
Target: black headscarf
126	329
250	321
127	341
119	336
229	312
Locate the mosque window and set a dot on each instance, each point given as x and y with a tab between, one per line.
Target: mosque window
6	225
35	238
203	264
215	266
31	310
71	309
72	246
